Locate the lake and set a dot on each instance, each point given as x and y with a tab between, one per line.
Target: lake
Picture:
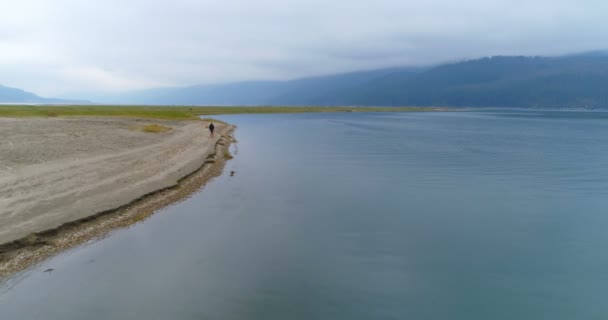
444	215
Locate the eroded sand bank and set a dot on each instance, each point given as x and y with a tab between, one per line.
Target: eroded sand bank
54	171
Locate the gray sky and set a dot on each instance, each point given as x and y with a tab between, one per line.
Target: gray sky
58	47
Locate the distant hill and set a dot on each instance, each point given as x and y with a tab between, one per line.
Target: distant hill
13	95
306	91
571	81
579	81
8	95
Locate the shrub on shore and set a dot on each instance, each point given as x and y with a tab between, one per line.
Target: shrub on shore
155	128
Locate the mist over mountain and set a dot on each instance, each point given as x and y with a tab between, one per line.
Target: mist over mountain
314	90
14	95
574	81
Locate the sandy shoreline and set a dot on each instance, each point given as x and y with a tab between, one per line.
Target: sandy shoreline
66	181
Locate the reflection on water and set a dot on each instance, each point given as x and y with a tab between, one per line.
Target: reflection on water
467	215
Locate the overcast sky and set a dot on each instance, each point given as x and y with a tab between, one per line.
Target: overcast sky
59	47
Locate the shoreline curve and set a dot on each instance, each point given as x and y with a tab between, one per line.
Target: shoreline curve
26	252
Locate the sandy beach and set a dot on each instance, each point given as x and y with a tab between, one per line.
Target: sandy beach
54	170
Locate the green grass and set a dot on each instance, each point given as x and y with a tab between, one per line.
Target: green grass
176	112
212	120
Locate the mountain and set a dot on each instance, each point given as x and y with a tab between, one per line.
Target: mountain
314	90
572	81
562	82
8	95
14	95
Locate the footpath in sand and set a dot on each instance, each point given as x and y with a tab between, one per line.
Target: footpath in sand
56	170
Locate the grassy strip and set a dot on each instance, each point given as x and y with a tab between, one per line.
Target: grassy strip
176	112
155	128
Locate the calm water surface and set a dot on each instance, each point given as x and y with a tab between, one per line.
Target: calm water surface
469	215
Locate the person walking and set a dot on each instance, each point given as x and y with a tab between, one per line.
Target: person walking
211	128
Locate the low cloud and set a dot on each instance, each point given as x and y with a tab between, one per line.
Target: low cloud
68	46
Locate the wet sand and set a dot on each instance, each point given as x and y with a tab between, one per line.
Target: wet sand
66	181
